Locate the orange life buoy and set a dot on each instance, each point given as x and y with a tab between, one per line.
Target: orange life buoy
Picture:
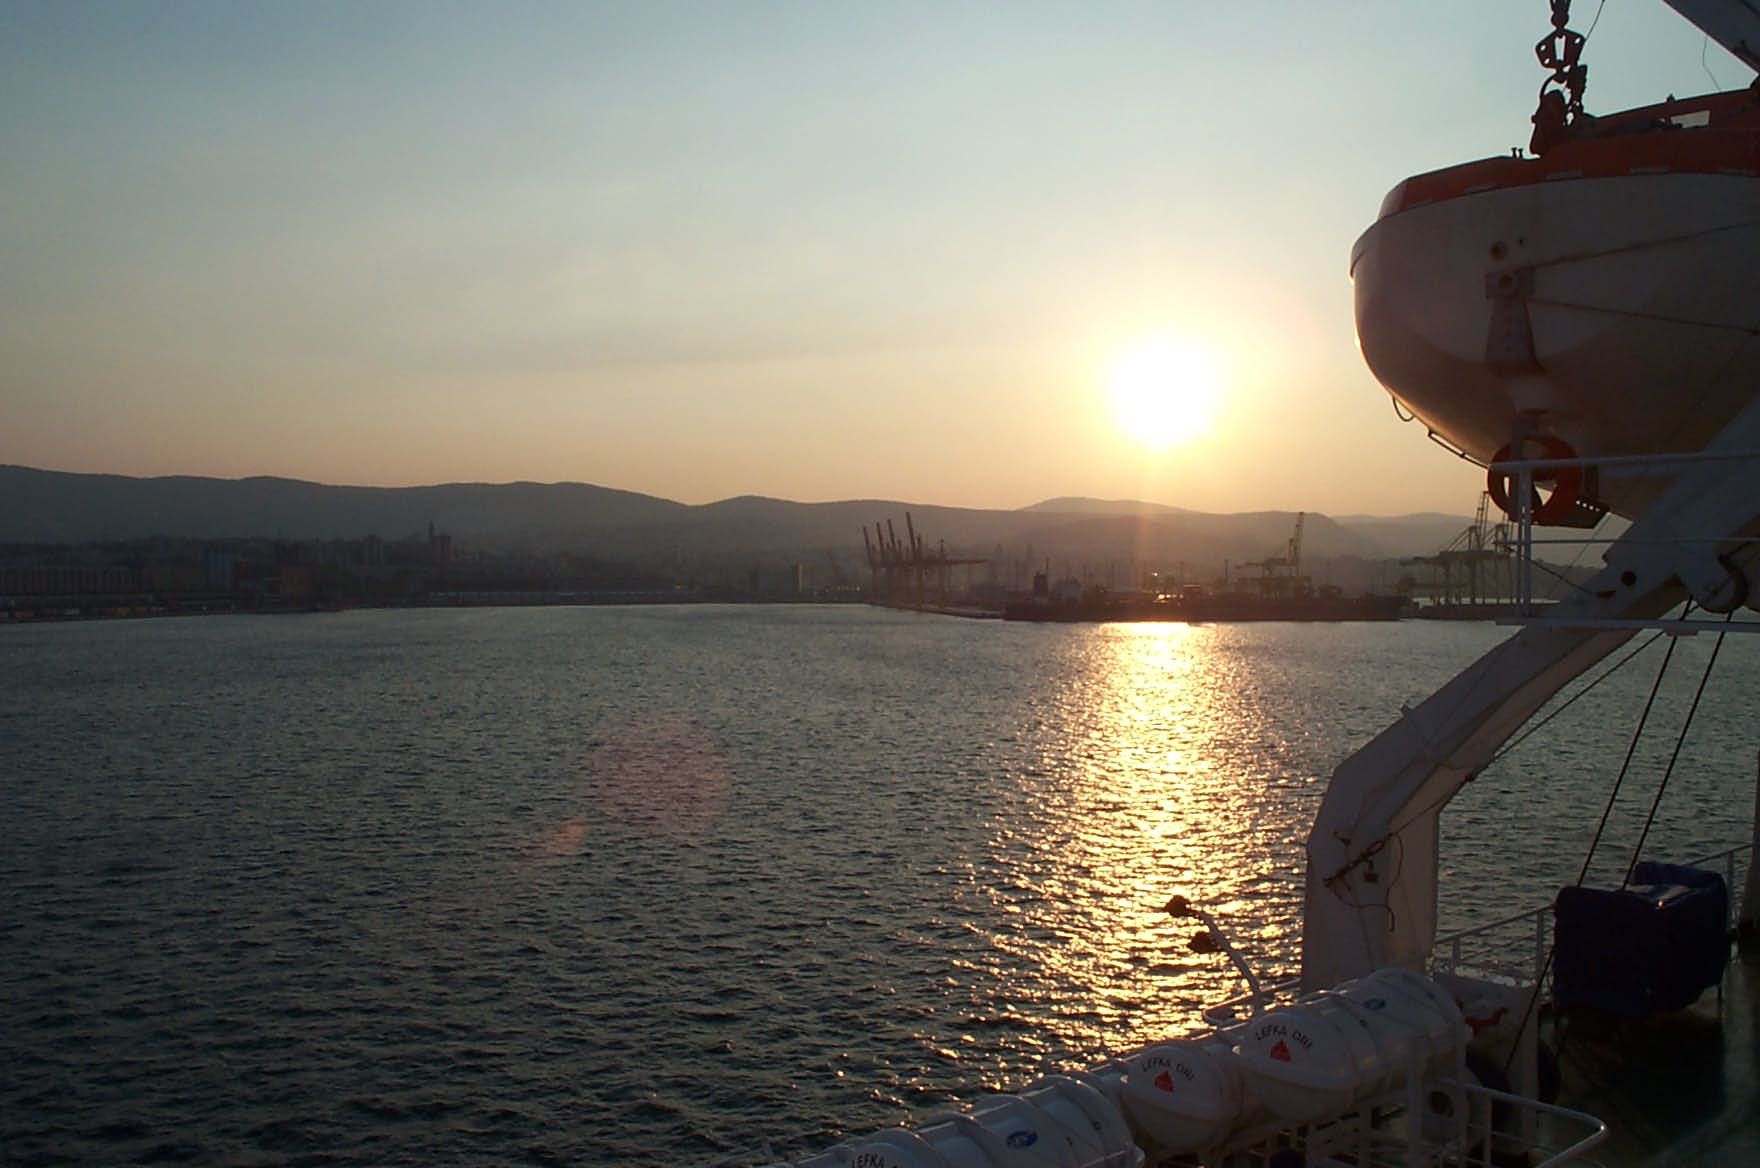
1567	481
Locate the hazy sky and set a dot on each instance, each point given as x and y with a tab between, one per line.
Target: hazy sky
811	250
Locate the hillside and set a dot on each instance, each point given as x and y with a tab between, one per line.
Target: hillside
1077	535
42	506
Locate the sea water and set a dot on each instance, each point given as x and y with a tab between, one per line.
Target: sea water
661	885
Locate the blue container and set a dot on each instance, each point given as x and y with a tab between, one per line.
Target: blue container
1651	947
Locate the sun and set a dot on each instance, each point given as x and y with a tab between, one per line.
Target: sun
1164	390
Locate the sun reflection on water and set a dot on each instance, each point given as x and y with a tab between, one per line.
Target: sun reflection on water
1148	779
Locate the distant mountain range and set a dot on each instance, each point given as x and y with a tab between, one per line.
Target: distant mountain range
43	506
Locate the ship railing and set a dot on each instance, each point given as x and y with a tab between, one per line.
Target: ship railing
1512	949
1227	1012
1522	474
1454	1121
1516	949
1492	1145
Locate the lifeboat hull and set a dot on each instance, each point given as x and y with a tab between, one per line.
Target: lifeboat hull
1618	311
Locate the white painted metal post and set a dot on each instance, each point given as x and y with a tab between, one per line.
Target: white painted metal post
1746	924
1524	486
1540	963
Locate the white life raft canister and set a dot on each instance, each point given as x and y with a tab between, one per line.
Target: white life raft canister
1184	1095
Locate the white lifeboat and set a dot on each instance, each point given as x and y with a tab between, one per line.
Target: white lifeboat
1601	294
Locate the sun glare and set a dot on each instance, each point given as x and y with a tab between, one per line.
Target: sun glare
1164	390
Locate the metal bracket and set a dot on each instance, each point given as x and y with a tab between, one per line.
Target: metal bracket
1509	337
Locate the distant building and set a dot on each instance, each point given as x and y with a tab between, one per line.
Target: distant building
220	568
68	579
439	547
295	583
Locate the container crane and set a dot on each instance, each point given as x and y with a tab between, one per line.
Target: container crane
1281	575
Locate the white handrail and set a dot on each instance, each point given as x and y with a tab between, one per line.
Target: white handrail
1622	460
1570	1153
1541	915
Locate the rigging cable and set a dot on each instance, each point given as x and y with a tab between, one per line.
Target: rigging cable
1566	704
1559	576
1626	766
1394	830
1660	318
1654	317
1599	9
1642	244
1680	740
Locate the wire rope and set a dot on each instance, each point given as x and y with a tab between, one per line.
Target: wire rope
1626	766
1612	797
1568	702
1680	741
1656	317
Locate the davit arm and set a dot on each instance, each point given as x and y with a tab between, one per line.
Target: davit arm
1372	853
1734	24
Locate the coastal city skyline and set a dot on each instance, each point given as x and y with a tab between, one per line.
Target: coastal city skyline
804	251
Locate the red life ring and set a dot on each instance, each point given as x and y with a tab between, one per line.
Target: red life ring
1567	481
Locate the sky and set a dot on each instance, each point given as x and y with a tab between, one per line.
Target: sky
809	250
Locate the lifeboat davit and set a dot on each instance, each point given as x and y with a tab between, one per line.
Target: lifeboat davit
1604	294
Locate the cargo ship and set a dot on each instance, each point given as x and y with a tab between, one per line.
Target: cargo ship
1200	606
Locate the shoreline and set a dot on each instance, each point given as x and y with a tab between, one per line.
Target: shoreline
143	610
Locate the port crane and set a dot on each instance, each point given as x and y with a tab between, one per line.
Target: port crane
1281	575
903	571
1482	556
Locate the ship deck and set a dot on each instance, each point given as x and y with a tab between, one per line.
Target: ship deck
1674	1089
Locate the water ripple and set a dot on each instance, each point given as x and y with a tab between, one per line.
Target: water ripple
654	886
